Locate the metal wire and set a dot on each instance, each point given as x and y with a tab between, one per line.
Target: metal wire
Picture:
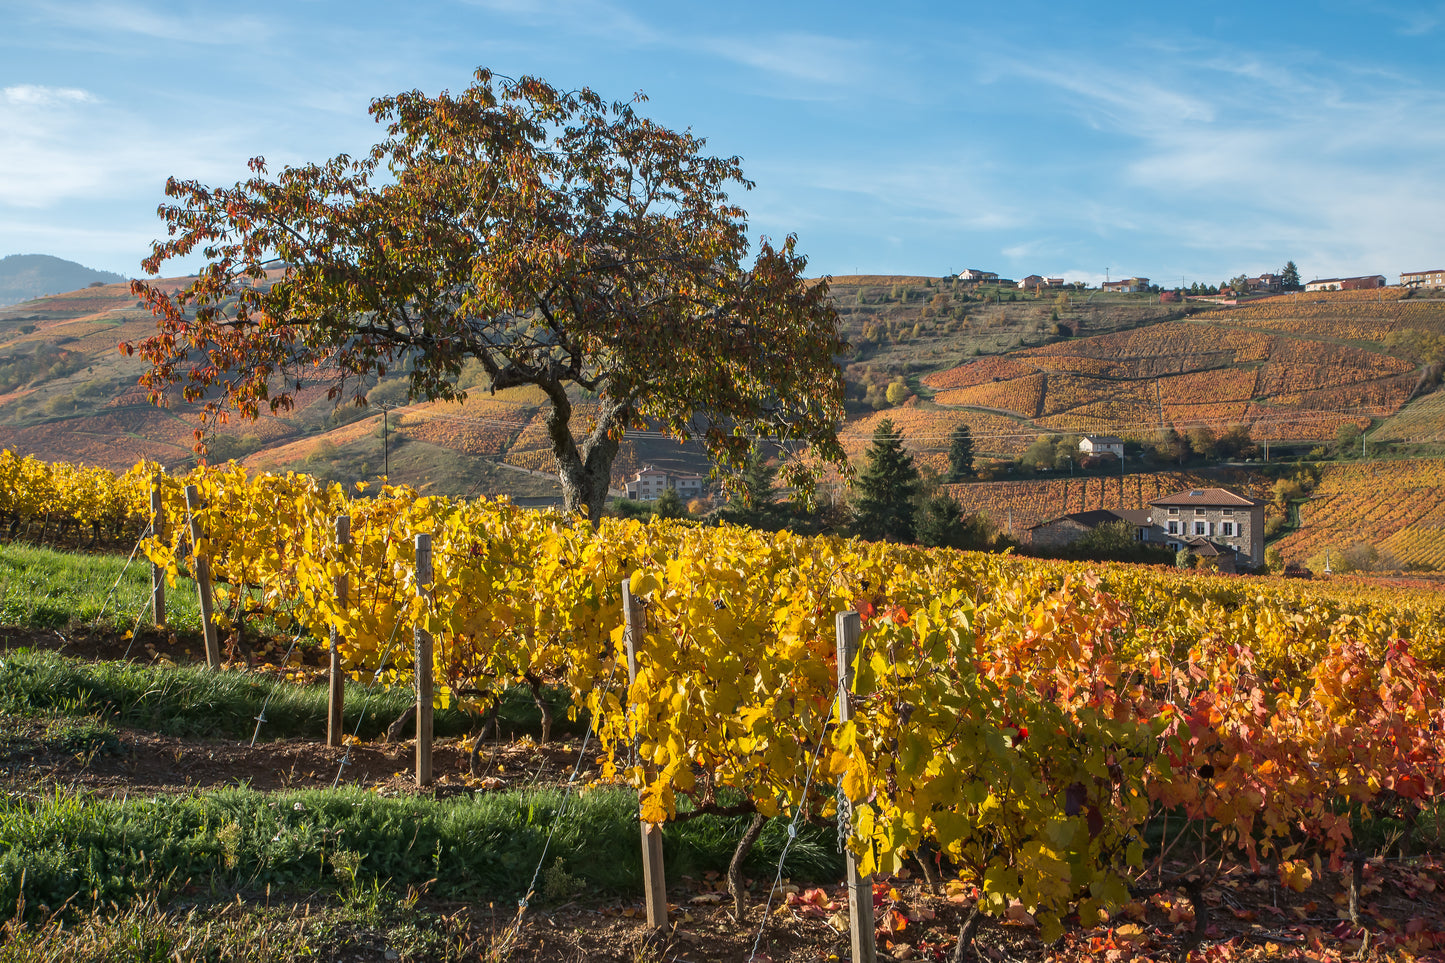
793	829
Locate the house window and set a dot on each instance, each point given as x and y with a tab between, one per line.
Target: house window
1226	511
1199	511
1174	511
1174	546
1141	535
1201	528
1227	528
1173	528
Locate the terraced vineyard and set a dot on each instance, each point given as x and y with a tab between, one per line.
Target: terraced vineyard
1396	507
1290	368
1018	505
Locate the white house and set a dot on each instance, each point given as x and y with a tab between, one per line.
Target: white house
1102	445
651	482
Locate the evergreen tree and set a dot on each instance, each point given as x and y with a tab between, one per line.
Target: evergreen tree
942	524
960	453
1289	277
886	489
669	504
758	479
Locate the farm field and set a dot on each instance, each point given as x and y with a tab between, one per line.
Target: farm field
1280	693
1025	503
1398	508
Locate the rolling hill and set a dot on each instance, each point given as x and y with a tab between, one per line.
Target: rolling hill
26	276
1012	366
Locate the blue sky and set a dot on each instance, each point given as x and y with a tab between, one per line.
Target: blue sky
1166	140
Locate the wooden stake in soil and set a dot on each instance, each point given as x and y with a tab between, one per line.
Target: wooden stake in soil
158	574
202	566
336	693
423	667
653	880
860	888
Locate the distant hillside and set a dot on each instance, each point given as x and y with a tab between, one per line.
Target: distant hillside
1008	363
1294	369
26	276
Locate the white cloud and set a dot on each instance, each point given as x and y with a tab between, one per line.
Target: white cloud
63	143
35	95
1274	158
207	26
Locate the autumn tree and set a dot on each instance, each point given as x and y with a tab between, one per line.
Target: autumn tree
561	241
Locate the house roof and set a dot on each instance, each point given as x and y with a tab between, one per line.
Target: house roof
1136	516
1089	519
1203	546
1102	439
1207	496
1407	274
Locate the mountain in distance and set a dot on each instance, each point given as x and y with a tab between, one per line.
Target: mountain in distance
26	276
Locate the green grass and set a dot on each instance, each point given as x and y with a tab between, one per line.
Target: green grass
234	931
79	852
42	588
194	701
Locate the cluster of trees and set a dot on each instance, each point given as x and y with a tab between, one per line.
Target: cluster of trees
1239	284
892	500
1200	443
876	388
895	502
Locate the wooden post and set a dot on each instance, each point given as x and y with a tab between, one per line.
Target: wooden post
860	888
336	694
158	574
423	669
654	881
202	566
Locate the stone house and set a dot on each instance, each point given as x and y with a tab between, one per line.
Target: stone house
1423	279
1221	517
1364	283
1067	529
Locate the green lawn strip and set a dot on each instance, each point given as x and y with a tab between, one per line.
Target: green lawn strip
194	701
80	852
235	931
43	588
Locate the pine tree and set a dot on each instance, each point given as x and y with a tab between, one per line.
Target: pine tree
960	453
886	489
1289	277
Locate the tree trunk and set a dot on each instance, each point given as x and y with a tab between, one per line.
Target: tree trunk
540	701
735	868
585	468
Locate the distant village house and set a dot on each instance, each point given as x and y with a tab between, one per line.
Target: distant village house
977	277
1423	279
1102	445
1035	281
1364	283
648	484
1224	519
1127	285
